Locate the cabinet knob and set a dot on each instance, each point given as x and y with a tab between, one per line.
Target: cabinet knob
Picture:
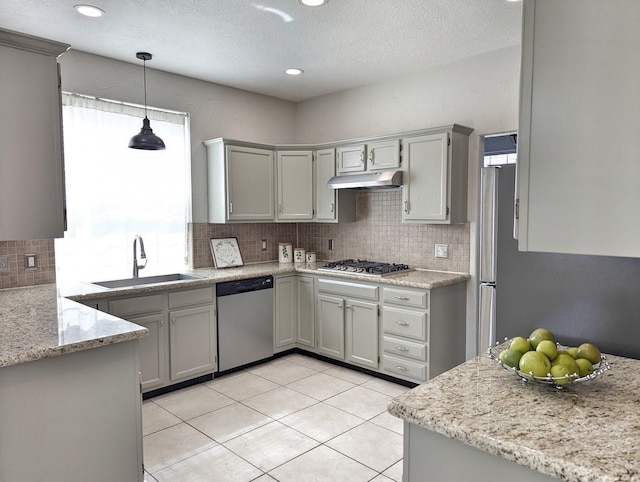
406	207
402	323
401	348
401	368
230	207
348	307
402	298
161	322
332	207
339	307
173	320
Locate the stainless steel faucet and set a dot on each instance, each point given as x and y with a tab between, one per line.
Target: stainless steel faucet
143	256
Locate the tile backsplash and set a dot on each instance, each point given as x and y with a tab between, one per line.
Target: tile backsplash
18	276
377	234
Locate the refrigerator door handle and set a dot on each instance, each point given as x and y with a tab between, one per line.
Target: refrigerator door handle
487	316
488	223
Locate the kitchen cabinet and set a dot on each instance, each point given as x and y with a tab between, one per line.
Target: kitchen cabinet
147	311
423	331
294	185
361	328
435	177
578	146
240	182
182	334
331	205
305	333
351	158
286	311
31	163
348	321
383	155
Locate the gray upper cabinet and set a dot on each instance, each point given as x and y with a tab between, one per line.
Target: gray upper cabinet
383	155
241	182
435	177
294	185
331	205
351	158
31	160
578	143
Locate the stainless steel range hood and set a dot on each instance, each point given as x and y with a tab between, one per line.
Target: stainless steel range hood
386	179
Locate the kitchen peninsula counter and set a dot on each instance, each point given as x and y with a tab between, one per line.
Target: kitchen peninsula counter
478	415
36	323
419	278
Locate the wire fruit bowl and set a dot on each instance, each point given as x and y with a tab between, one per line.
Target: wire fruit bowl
558	382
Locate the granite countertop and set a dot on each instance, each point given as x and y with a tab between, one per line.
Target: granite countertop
44	321
423	279
36	323
587	432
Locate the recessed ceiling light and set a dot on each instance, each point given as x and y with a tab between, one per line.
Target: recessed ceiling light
313	3
89	10
293	71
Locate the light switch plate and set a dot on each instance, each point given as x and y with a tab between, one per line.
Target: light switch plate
442	250
4	263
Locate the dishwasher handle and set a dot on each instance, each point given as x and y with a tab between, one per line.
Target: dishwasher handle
244	286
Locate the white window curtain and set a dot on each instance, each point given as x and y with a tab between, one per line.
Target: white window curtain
114	192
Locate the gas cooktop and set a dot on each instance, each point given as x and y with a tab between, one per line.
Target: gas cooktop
363	267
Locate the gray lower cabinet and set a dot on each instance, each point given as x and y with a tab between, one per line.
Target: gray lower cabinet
347	321
182	334
305	333
285	307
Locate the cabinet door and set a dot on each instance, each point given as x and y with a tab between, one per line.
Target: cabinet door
383	155
331	326
578	143
285	311
306	315
250	183
192	342
153	351
325	197
426	184
362	333
295	185
32	179
351	158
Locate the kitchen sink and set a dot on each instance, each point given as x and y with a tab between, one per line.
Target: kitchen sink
147	280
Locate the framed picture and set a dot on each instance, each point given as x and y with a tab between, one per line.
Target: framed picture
226	252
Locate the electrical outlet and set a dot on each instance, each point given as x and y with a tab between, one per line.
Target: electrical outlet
264	245
331	245
4	263
31	261
442	250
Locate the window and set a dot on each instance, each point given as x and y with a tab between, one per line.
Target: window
114	192
500	149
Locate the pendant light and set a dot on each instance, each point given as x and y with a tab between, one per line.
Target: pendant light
146	139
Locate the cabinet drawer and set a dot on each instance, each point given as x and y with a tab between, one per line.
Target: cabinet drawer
399	296
196	296
419	371
417	351
412	324
135	306
346	289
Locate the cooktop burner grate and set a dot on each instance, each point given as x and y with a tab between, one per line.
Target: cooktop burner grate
372	268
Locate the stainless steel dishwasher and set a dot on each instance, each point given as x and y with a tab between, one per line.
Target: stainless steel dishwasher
245	321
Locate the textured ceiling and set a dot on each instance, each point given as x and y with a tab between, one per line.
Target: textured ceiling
247	44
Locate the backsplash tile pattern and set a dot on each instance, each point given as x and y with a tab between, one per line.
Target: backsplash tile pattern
18	276
377	234
249	237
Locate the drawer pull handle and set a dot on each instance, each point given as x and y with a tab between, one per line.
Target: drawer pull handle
401	368
403	298
402	323
401	348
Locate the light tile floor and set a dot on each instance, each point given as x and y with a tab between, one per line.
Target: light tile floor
293	419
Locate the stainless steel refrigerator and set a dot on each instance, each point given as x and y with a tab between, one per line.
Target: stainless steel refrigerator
579	298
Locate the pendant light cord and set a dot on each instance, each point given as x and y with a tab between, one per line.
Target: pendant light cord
144	76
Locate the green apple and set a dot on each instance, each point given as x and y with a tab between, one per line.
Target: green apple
590	352
510	357
536	363
540	334
585	367
549	348
520	344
